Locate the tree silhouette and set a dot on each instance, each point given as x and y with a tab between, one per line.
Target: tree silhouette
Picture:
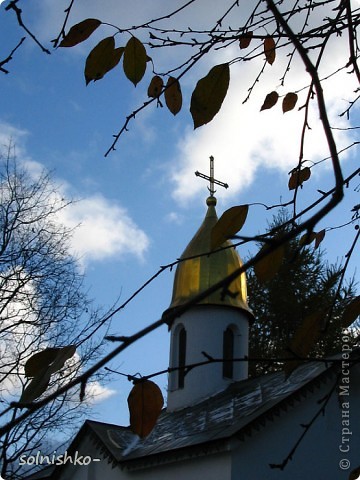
43	307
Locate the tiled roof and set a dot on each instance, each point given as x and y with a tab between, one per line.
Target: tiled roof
209	425
236	411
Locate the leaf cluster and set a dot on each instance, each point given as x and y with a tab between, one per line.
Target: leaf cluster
209	93
40	366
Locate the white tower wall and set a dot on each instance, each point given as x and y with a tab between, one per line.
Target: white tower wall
205	326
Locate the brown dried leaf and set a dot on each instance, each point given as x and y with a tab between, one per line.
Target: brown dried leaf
102	58
266	268
40	367
50	358
145	402
230	222
307	334
351	313
63	354
245	40
298	177
289	102
319	237
355	474
135	59
155	87
80	32
305	174
36	387
209	94
36	363
173	95
307	238
269	49
270	100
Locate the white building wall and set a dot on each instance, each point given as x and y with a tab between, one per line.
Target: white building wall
205	326
213	467
95	470
319	454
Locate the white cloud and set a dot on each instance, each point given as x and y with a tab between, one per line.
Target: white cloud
12	137
96	393
104	229
174	217
21	338
245	141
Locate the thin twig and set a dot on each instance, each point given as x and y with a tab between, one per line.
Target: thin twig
12	6
10	56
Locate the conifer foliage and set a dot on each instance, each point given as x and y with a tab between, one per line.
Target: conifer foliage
304	297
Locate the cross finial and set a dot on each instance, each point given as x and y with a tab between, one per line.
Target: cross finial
211	178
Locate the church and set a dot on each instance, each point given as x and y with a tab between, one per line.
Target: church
218	424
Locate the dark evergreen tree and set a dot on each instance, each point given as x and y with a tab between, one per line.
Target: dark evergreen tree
305	284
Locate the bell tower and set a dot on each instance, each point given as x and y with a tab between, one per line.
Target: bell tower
215	328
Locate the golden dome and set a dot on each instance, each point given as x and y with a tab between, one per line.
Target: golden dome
195	275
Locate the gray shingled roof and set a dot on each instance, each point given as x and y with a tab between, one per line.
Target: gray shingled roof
236	411
210	424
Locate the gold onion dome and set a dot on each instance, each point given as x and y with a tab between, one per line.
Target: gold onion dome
199	271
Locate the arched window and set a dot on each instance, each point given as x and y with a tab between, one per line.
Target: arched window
181	357
228	353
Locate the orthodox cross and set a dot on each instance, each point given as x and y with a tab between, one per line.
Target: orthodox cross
211	178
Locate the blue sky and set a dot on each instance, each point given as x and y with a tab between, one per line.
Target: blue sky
141	205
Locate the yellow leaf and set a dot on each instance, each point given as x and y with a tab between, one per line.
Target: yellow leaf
173	95
102	58
145	402
304	339
155	87
351	313
298	177
270	100
209	94
269	49
135	59
266	268
289	102
245	40
80	32
230	222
